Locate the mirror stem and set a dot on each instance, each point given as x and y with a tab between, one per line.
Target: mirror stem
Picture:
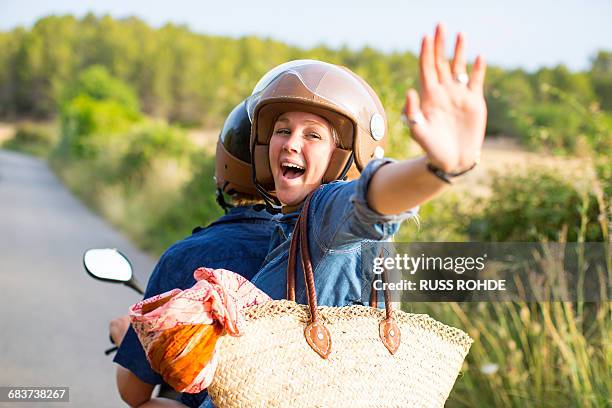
134	284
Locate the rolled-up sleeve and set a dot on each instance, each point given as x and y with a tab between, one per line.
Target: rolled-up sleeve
389	224
342	216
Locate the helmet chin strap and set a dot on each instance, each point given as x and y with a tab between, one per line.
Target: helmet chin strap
347	166
221	199
273	206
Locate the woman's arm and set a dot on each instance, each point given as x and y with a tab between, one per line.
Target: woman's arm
398	187
448	122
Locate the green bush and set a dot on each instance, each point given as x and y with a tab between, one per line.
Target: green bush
145	143
131	169
98	84
137	183
554	126
195	205
95	113
563	124
89	125
505	92
443	219
538	205
150	141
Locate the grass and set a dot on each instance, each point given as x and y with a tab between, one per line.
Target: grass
545	354
531	354
37	139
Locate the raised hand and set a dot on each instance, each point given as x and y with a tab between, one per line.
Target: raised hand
449	119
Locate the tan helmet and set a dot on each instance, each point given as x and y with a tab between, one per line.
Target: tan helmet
330	91
233	173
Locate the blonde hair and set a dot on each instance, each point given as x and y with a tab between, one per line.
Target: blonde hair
336	137
243	200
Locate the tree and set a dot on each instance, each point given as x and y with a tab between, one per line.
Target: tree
601	72
94	111
44	63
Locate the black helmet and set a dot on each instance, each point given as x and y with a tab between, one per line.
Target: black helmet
233	174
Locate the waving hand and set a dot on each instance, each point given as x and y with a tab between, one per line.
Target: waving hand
448	119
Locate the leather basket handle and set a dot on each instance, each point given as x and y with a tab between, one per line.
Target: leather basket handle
317	335
388	329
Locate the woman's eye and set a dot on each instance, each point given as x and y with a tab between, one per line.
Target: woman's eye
282	131
313	135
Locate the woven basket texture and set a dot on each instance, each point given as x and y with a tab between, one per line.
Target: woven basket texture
271	365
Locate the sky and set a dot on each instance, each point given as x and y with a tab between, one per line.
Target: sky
511	34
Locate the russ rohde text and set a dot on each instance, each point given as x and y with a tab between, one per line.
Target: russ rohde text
443	284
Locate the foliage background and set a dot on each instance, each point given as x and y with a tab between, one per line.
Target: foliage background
195	79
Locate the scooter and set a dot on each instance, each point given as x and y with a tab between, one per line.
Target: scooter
110	265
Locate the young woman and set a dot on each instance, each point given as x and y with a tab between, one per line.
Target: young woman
313	122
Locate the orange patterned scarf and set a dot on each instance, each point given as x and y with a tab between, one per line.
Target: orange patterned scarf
180	328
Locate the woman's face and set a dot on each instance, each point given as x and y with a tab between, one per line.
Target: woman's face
300	150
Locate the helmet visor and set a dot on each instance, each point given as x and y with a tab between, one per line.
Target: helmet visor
276	71
330	85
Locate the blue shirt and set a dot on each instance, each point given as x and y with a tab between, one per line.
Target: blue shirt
237	241
339	221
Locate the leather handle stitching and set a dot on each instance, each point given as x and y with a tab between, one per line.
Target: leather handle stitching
314	344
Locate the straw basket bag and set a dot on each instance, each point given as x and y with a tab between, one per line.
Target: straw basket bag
294	355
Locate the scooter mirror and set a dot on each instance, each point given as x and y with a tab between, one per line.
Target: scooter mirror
107	264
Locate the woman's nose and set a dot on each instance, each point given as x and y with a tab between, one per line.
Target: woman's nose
293	143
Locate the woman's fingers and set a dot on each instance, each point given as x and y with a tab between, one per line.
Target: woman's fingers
448	118
413	104
413	113
429	78
478	74
442	66
436	70
459	65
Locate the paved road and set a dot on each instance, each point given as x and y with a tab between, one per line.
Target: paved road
54	317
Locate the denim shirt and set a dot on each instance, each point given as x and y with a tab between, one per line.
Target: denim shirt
339	221
237	241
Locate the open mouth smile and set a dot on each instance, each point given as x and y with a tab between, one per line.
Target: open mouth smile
292	170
